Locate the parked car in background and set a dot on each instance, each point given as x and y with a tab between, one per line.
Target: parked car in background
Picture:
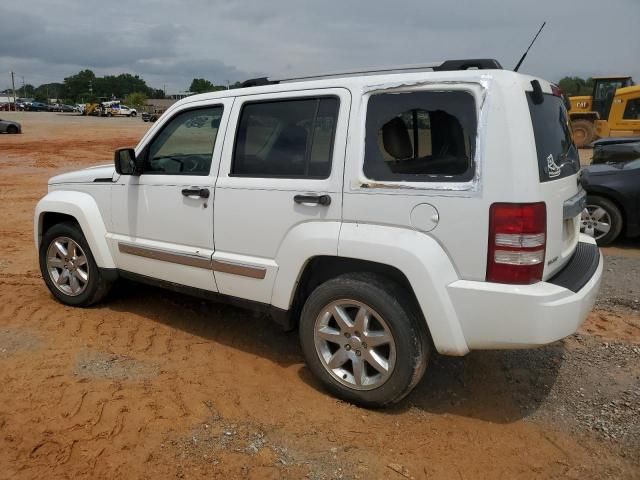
612	182
36	107
116	109
128	111
152	116
9	126
59	107
7	107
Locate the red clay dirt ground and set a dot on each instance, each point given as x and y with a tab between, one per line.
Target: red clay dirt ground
151	384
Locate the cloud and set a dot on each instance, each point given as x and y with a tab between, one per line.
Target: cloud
169	43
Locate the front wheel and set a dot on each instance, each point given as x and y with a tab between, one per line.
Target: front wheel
68	267
362	340
12	129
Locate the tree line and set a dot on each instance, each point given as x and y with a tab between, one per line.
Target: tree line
85	87
572	86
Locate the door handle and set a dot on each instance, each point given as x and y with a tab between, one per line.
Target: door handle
323	200
196	192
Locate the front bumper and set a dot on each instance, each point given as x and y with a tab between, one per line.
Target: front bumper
496	316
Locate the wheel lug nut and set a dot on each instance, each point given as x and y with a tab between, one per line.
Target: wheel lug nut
347	334
358	352
356	333
364	345
347	347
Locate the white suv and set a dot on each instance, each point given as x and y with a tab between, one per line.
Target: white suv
384	214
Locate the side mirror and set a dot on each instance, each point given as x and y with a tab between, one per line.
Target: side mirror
125	161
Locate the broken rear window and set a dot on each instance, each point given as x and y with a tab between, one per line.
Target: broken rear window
420	136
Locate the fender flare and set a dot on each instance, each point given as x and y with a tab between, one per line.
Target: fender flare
84	209
425	264
303	242
418	256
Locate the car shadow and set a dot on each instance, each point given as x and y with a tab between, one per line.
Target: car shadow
494	386
500	386
497	386
239	328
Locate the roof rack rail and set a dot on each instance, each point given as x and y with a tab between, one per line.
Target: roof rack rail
471	63
447	65
257	82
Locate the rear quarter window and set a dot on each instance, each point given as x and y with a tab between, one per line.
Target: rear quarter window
557	154
424	136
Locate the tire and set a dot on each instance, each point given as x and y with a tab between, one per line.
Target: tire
406	354
584	132
601	211
12	129
95	288
134	114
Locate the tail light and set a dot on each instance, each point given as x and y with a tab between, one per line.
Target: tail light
517	242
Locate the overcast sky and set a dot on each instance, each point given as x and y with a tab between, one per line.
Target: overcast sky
171	42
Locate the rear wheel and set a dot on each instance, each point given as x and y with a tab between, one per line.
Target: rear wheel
362	340
601	219
68	267
12	129
584	132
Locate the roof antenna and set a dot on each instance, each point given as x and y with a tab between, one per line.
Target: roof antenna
530	45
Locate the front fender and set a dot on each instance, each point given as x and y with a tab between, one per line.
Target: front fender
425	264
84	209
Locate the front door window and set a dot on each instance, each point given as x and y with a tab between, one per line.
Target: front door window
185	145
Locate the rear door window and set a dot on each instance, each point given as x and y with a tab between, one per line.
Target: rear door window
557	154
286	138
420	136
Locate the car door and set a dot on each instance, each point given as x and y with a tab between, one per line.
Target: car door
280	177
163	219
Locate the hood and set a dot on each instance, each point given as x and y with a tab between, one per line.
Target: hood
87	175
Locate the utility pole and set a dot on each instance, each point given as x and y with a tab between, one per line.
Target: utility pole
13	87
23	89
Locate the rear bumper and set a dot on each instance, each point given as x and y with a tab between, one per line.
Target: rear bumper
495	316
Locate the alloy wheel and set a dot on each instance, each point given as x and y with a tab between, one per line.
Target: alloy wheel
67	266
595	221
355	344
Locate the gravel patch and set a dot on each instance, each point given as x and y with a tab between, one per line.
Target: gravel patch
13	341
620	287
215	438
104	365
587	386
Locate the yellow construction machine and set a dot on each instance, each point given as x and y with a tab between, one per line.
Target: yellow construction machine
613	110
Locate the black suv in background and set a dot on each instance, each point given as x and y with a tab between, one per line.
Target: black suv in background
612	182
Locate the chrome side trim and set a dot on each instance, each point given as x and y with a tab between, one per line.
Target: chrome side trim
243	270
193	261
165	256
